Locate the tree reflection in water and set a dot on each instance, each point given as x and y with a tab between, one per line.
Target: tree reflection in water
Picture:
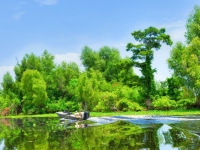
49	134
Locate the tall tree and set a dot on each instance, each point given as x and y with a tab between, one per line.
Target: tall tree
184	59
175	61
89	58
10	99
63	74
8	83
191	64
108	61
193	24
29	61
150	39
174	88
34	91
89	87
47	70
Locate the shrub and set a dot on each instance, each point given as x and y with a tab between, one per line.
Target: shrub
72	106
126	105
185	103
5	111
164	103
107	102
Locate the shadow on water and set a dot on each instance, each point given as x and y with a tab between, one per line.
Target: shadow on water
105	133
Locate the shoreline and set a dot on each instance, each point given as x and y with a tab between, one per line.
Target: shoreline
136	114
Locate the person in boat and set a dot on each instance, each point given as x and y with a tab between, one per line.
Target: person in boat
79	114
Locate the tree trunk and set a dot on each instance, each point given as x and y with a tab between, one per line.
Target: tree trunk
148	104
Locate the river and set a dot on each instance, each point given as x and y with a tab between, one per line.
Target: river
102	133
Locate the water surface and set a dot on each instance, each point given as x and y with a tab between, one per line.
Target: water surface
104	133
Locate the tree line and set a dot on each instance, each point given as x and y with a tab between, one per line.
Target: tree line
108	82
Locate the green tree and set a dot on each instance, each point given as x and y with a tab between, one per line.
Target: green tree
191	64
161	88
63	74
9	98
150	39
193	24
29	61
108	61
90	59
47	70
175	61
184	59
8	83
174	88
34	91
89	88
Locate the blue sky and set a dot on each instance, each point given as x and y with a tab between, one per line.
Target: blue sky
64	27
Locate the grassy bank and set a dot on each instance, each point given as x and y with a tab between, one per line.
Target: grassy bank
150	113
101	114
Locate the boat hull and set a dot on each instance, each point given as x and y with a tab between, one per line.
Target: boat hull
72	116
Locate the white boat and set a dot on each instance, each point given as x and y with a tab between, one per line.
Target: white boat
77	116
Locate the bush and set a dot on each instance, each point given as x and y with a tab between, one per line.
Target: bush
130	93
126	105
72	106
6	111
185	103
164	103
107	102
53	106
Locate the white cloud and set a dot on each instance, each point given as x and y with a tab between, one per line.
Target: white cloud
4	69
172	24
178	34
18	15
69	57
176	30
47	2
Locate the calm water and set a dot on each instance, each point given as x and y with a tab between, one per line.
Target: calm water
103	133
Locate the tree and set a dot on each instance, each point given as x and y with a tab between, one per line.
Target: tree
47	69
89	88
175	61
193	25
8	83
184	59
187	67
9	98
90	58
34	91
62	75
108	61
174	88
150	39
29	61
191	64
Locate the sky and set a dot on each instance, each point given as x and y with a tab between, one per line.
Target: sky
64	27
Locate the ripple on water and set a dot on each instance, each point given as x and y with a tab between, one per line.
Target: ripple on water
144	119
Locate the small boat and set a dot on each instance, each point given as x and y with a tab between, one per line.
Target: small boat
77	116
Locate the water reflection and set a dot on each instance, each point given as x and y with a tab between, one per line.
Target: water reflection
165	138
104	133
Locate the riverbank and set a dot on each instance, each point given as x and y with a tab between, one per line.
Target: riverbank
101	114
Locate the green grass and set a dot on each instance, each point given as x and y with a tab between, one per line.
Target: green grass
150	113
101	114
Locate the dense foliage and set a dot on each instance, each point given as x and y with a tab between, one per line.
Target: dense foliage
108	82
185	62
150	39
